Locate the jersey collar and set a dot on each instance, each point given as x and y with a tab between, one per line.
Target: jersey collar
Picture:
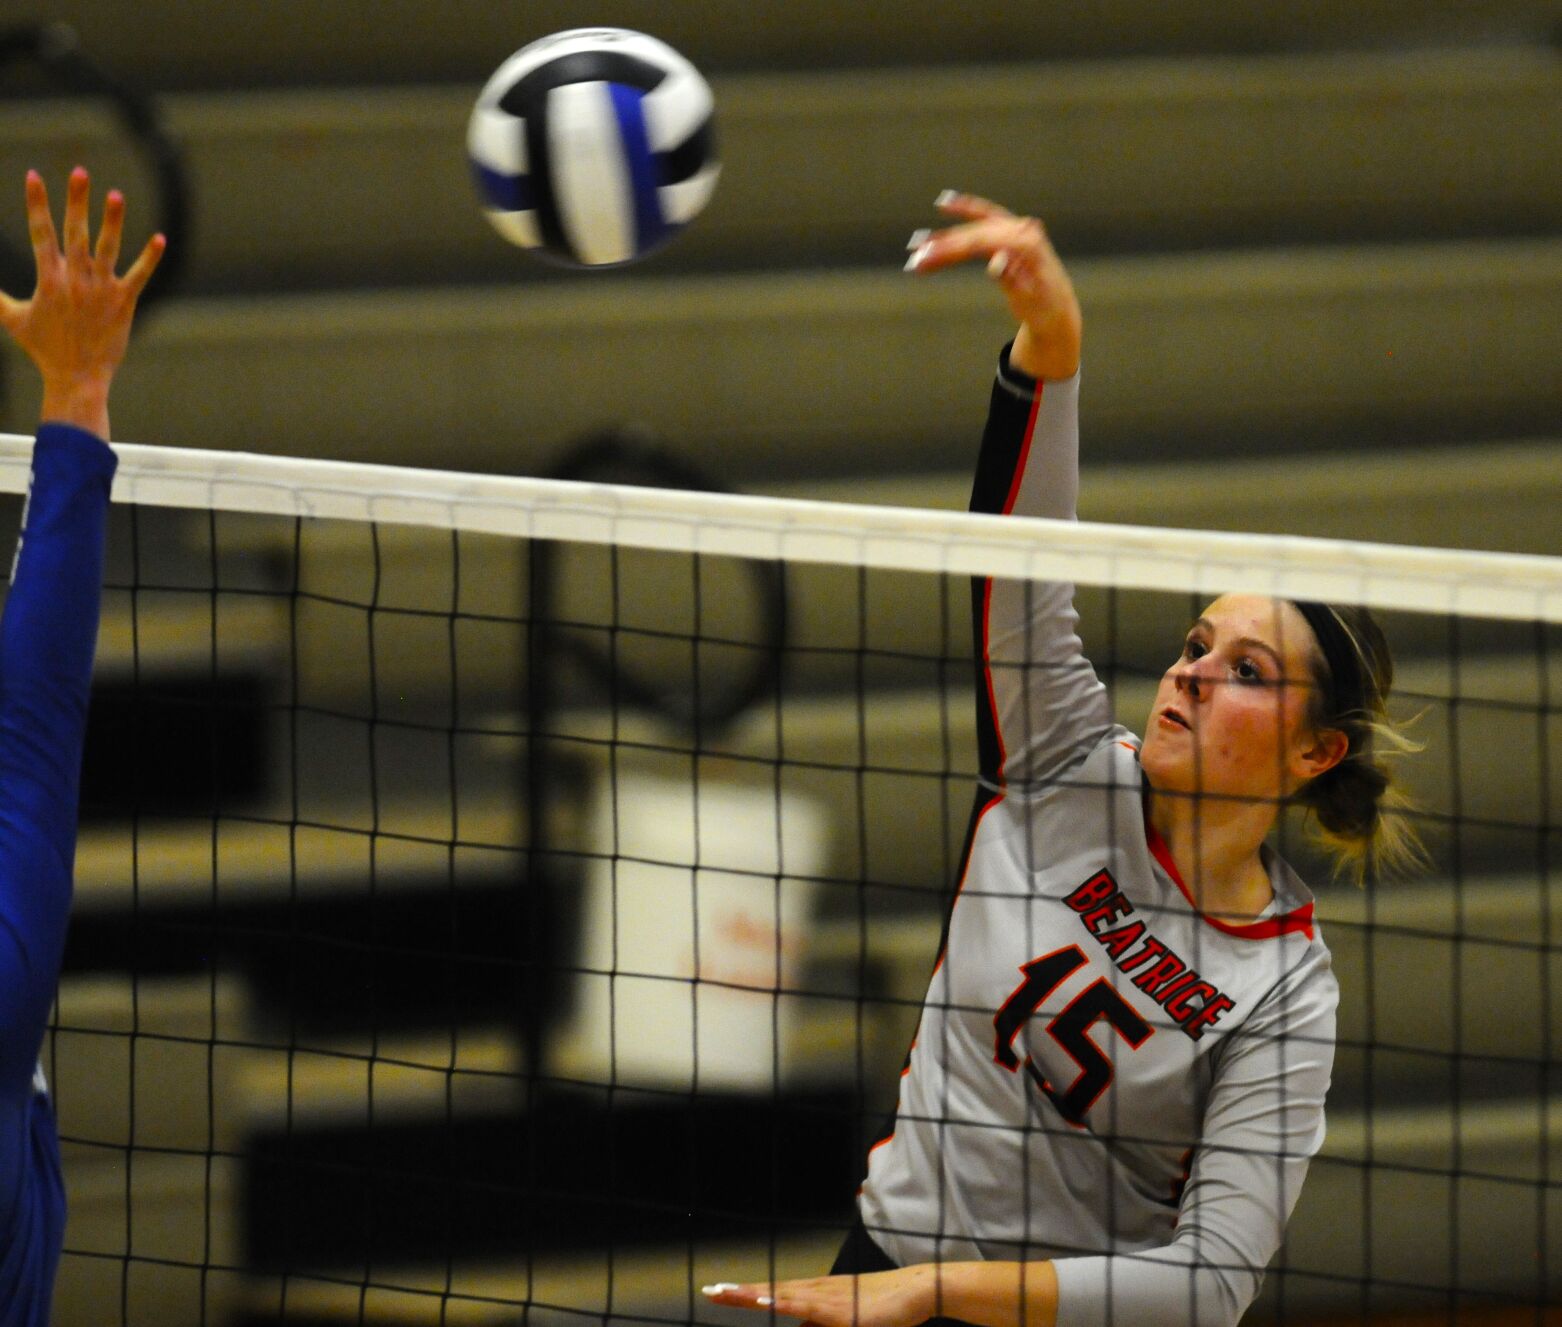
1266	928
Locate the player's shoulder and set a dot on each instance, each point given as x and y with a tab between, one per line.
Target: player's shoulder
1306	976
1110	762
1094	784
1114	748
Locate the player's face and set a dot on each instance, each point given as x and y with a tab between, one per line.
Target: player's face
1231	715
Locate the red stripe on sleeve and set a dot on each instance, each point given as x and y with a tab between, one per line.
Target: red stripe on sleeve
1019	467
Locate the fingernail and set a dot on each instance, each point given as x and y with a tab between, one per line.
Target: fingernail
720	1288
918	239
997	264
764	1301
915	261
946	197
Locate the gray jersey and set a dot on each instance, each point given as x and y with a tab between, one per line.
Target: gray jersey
1103	1075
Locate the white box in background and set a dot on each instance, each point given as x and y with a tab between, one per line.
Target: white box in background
696	914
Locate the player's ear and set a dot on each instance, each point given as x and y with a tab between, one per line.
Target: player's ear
1319	751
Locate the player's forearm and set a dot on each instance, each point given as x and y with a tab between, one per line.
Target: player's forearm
49	628
1028	464
998	1294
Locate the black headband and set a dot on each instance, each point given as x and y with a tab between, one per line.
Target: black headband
1348	682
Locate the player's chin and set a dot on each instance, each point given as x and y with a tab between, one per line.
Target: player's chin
1176	772
1167	770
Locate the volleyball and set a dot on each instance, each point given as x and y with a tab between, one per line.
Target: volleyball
594	147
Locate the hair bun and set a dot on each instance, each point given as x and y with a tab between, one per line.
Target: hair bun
1346	798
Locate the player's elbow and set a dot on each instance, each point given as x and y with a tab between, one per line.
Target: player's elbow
1222	1282
1189	1283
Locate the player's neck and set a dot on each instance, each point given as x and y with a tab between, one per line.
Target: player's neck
1216	849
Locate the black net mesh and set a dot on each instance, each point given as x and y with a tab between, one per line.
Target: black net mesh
473	930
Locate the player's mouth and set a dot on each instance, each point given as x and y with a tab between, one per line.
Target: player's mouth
1172	718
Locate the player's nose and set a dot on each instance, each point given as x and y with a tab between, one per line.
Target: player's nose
1191	678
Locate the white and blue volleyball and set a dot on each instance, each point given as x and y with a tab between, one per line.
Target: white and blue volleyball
594	147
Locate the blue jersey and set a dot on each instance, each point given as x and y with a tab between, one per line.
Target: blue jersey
47	636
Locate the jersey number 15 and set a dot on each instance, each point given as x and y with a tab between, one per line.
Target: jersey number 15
1069	1029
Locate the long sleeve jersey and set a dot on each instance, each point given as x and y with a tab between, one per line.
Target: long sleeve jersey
1102	1075
47	636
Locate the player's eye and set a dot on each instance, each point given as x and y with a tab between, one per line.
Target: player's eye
1248	671
1193	648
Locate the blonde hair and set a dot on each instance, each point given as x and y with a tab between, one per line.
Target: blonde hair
1362	818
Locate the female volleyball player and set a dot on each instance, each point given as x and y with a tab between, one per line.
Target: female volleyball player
75	328
1119	1076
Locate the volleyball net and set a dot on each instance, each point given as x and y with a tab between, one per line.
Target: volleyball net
509	900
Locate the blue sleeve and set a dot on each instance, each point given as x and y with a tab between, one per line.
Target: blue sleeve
47	637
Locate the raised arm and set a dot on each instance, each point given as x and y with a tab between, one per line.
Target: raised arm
75	328
1041	703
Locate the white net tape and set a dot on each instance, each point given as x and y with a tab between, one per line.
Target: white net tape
1388	576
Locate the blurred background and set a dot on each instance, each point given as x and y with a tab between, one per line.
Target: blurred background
1320	253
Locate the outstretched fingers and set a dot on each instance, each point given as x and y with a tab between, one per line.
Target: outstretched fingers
110	233
77	191
873	1299
146	262
76	325
77	253
754	1296
40	223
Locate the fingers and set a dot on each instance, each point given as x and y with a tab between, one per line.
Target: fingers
145	264
76	193
1021	261
77	249
739	1296
1017	267
829	1301
998	234
987	231
109	234
972	207
40	225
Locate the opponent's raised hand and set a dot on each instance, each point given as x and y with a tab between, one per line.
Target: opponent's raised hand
77	324
1021	259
